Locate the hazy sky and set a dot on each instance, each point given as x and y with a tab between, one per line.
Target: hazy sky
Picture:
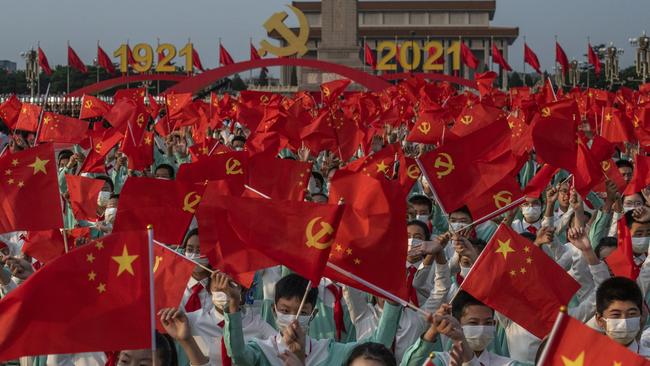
53	22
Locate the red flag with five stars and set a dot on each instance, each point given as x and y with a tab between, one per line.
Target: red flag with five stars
282	179
83	196
64	129
517	279
10	110
100	302
28	117
29	191
171	271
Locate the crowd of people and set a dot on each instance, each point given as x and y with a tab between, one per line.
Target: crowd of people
280	320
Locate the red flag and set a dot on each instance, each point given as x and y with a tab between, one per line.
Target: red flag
256	56
475	116
593	59
28	117
575	343
230	168
43	63
30	190
369	56
611	172
104	61
531	58
430	126
129	56
540	181
529	281
83	196
281	179
171	271
560	58
296	234
224	57
333	89
377	165
60	128
555	134
616	127
196	60
496	197
641	177
100	147
498	59
468	57
92	107
75	62
122	113
10	111
139	152
140	205
621	261
47	245
112	274
485	82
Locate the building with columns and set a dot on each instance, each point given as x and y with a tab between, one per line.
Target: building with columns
410	35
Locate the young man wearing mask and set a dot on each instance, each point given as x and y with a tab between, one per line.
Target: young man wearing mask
531	222
196	296
422	208
289	292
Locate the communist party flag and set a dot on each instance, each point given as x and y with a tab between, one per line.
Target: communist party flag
43	63
333	89
474	117
281	179
517	279
230	168
104	61
83	194
100	147
495	198
141	204
372	238
430	126
29	190
621	261
75	62
296	234
101	303
573	343
531	58
28	117
92	107
554	132
64	129
10	110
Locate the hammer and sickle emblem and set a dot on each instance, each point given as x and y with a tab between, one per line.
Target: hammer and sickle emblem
140	120
296	44
425	127
190	201
447	163
606	165
546	112
326	91
88	104
502	199
413	171
158	260
264	100
636	121
467	119
98	147
232	166
314	240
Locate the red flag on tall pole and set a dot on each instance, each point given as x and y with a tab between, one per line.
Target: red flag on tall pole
256	56
468	57
43	63
224	57
593	59
560	58
369	56
129	55
104	61
498	59
531	58
75	62
196	60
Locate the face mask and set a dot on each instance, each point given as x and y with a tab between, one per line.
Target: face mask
479	336
109	214
312	187
456	226
219	299
628	208
102	198
640	244
423	218
239	148
464	271
283	320
414	243
531	213
196	257
623	331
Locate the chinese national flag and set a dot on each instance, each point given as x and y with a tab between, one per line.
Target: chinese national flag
135	94
129	56
554	133
561	58
498	59
468	57
46	245
296	234
256	56
104	61
531	58
224	57
196	60
171	271
60	128
93	107
281	179
10	111
28	117
593	59
372	238
43	63
29	190
141	204
574	343
100	147
621	261
378	165
369	56
616	126
139	152
641	177
176	103
75	62
123	111
333	89
101	303
83	196
517	279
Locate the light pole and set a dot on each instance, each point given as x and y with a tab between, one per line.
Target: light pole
642	61
31	69
612	55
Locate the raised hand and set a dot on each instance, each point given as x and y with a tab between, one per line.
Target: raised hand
175	323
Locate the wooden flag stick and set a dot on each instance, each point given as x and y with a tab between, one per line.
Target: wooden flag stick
304	298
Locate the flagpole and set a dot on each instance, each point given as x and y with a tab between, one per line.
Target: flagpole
67	84
38	71
588	73
524	62
250	43
491	58
304	298
365	61
40	116
127	63
549	342
219	52
435	195
96	66
152	306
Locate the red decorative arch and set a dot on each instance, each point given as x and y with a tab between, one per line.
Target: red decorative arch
122	80
204	79
433	76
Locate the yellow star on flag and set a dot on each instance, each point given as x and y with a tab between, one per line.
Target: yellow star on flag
14	162
579	361
504	248
125	261
99	245
39	165
381	167
101	288
92	275
618	363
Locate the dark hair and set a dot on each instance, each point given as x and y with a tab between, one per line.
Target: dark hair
479	244
528	235
419	199
629	218
107	180
167	167
464	210
319	178
421	225
617	289
190	234
238	138
319	194
293	286
115	196
463	300
165	350
372	351
65	154
622	163
606	242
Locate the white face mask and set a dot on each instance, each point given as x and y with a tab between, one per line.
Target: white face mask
283	320
623	331
531	213
464	271
414	243
219	299
456	226
109	214
198	259
102	198
423	218
640	244
479	336
628	208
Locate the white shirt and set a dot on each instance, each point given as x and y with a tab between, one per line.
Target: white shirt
77	359
521	225
490	359
316	351
639	349
205	296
